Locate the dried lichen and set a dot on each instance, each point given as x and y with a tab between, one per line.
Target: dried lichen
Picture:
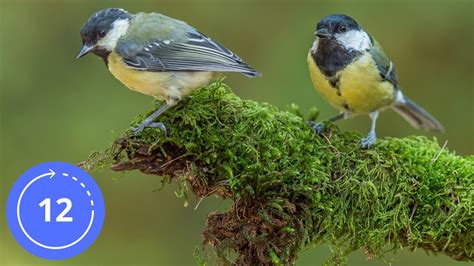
292	189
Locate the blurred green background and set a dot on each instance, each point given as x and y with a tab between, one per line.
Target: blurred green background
54	108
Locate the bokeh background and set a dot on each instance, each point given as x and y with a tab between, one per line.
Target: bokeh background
55	108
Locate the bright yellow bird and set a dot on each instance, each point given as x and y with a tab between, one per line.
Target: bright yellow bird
351	71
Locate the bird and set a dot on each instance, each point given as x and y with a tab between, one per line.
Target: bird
157	55
350	70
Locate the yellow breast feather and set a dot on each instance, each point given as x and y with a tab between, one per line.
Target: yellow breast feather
161	85
359	88
322	85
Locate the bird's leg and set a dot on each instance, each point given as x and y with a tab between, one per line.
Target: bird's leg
148	122
319	127
371	138
171	100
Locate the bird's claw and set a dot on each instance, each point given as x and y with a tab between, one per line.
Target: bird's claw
368	141
137	130
159	125
317	127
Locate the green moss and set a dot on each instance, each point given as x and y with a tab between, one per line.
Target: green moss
293	189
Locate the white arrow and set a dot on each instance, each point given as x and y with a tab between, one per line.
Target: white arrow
51	173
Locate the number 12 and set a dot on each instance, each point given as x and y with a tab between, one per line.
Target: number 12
46	203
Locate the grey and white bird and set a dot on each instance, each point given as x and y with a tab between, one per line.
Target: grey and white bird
157	55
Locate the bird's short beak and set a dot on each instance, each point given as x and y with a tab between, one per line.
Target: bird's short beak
322	33
85	50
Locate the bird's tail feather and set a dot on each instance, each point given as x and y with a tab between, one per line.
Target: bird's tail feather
417	116
250	72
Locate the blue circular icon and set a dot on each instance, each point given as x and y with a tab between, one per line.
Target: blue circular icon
55	210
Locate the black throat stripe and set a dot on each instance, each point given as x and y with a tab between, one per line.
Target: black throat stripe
331	57
104	54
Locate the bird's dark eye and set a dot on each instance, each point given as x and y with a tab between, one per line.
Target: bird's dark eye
342	28
101	33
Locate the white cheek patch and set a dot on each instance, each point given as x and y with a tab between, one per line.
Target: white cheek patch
314	48
119	28
354	39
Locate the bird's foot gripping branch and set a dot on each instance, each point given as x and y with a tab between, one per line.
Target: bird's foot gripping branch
292	189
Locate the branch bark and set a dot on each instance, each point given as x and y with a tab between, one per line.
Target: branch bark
292	189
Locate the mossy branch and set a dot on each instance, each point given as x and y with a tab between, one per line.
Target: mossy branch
292	189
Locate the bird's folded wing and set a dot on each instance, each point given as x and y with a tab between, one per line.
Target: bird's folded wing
384	65
196	53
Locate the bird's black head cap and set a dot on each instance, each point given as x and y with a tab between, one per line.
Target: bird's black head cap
100	23
334	24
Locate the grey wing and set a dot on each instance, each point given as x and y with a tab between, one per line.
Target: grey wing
197	53
384	65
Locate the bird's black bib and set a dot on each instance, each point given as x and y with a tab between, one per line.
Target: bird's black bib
331	57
